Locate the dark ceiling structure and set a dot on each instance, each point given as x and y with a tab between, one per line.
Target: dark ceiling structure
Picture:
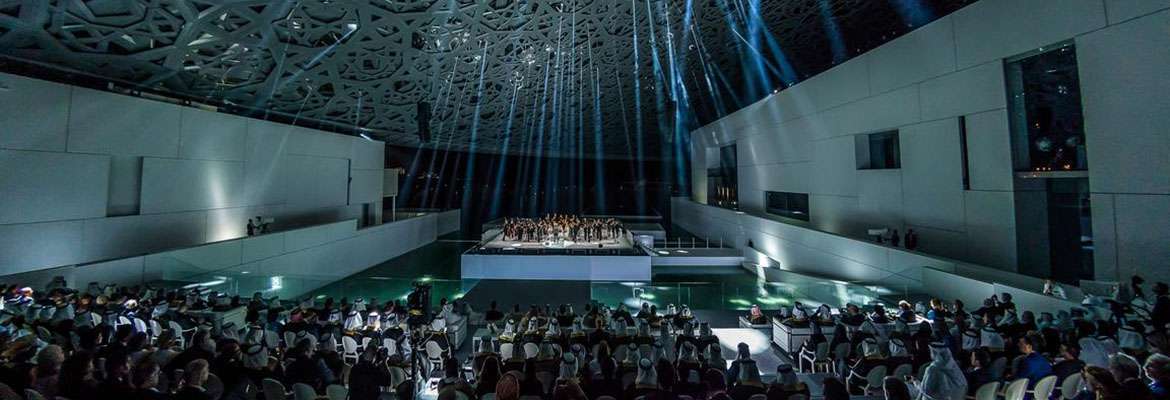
583	78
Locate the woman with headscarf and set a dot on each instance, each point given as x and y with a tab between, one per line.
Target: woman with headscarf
747	382
943	379
786	384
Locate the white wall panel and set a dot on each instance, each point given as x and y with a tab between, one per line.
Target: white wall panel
125	187
941	242
989	30
262	246
366	186
27	247
42	186
879	197
208	135
367	154
839	214
932	174
991	228
1142	236
231	223
107	238
263	165
315	236
1124	94
1122	10
310	142
923	53
835	166
1104	237
170	185
195	262
884	111
35	114
125	272
972	90
989	153
842	84
314	182
109	123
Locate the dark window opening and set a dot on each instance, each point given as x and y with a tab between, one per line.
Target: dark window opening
878	150
722	180
1044	108
787	204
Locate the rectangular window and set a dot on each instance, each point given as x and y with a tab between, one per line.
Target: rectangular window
878	150
787	204
1044	110
722	187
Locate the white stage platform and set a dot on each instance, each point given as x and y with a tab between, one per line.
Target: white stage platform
556	267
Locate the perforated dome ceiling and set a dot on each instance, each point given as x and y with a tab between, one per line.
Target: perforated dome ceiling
515	76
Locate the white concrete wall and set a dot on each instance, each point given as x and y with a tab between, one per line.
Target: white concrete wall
800	140
87	175
303	259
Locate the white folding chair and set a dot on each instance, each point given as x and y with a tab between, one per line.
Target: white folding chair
349	348
1044	387
302	391
531	350
290	340
815	358
390	345
1016	390
177	330
506	350
1071	386
273	390
434	355
987	391
336	392
140	325
903	370
873	380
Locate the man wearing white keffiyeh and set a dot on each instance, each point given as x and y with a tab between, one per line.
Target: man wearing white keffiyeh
943	379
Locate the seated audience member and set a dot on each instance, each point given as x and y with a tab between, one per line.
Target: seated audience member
834	389
978	374
145	381
645	382
1104	386
304	368
453	381
1034	365
943	379
1070	362
117	382
786	384
1123	367
895	389
906	312
1157	368
871	357
508	388
748	383
76	381
194	376
367	377
489	376
743	356
48	370
530	385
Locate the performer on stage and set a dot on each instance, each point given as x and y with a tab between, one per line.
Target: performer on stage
555	228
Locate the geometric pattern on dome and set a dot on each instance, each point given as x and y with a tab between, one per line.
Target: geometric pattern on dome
554	72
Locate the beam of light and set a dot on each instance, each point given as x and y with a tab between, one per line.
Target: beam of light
640	176
499	185
469	174
598	165
914	13
833	32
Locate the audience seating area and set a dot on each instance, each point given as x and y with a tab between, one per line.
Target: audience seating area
140	342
